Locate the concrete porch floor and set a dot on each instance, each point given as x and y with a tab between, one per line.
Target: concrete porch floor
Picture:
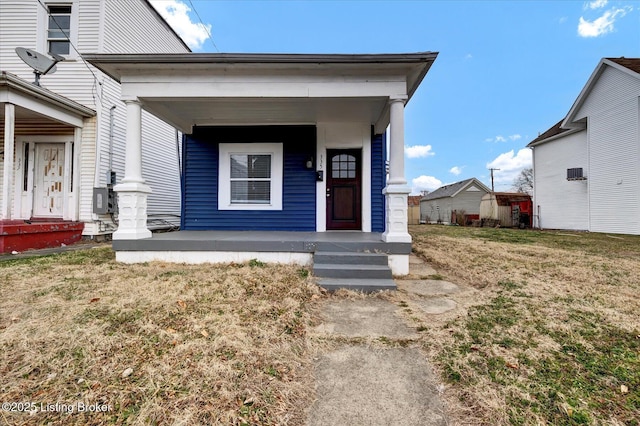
266	246
264	241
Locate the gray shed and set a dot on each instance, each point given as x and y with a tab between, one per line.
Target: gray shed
452	203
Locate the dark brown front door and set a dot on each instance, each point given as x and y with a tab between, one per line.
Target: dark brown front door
343	189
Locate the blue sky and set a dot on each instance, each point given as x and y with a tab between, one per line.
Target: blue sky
506	70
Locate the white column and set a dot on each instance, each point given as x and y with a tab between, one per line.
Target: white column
396	147
7	175
396	191
132	192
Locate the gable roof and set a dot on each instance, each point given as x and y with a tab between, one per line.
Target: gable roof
20	92
566	126
454	189
629	66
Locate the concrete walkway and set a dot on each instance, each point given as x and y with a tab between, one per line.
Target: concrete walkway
376	373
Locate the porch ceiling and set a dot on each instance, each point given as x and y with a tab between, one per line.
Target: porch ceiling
185	113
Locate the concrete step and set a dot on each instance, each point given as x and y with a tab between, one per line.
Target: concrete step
333	270
360	284
351	258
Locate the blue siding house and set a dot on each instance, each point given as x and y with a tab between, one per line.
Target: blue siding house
283	154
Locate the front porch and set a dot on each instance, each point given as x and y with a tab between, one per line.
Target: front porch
265	246
22	235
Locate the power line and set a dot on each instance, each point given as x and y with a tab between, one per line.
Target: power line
204	26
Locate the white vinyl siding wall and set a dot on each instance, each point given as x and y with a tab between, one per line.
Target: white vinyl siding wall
133	27
614	161
562	204
613	86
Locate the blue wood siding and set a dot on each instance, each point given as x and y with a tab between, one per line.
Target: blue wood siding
200	186
378	181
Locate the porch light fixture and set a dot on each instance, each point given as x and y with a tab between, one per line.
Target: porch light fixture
309	163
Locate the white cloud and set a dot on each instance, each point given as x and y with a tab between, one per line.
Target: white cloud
563	19
510	165
418	151
175	12
501	138
601	25
596	4
468	56
455	170
424	183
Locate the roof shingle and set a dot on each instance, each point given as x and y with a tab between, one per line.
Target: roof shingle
632	63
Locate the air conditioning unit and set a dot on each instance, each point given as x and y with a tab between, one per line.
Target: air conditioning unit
575	174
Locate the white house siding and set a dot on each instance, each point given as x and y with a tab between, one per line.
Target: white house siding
612	87
87	168
562	204
133	27
614	158
16	29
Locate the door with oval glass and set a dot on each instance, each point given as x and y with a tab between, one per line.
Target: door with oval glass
344	198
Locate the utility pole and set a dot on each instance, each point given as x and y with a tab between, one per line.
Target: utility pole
492	170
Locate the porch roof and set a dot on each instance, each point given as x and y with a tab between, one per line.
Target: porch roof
35	102
200	89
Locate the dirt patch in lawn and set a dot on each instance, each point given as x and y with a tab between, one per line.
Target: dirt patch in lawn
549	334
153	343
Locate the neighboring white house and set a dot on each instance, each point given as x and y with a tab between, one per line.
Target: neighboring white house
461	197
76	119
587	166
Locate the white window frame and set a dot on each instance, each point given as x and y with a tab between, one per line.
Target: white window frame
43	26
275	150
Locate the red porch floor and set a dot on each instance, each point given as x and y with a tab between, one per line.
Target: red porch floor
20	235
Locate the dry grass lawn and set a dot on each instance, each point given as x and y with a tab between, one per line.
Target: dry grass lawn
153	344
549	331
546	331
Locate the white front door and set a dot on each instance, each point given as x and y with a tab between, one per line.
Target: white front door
48	194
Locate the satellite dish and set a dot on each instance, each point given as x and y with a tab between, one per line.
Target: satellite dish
41	64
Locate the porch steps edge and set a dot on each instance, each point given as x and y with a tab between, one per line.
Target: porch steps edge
338	270
350	258
359	284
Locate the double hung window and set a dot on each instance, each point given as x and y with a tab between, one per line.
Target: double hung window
250	176
59	29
